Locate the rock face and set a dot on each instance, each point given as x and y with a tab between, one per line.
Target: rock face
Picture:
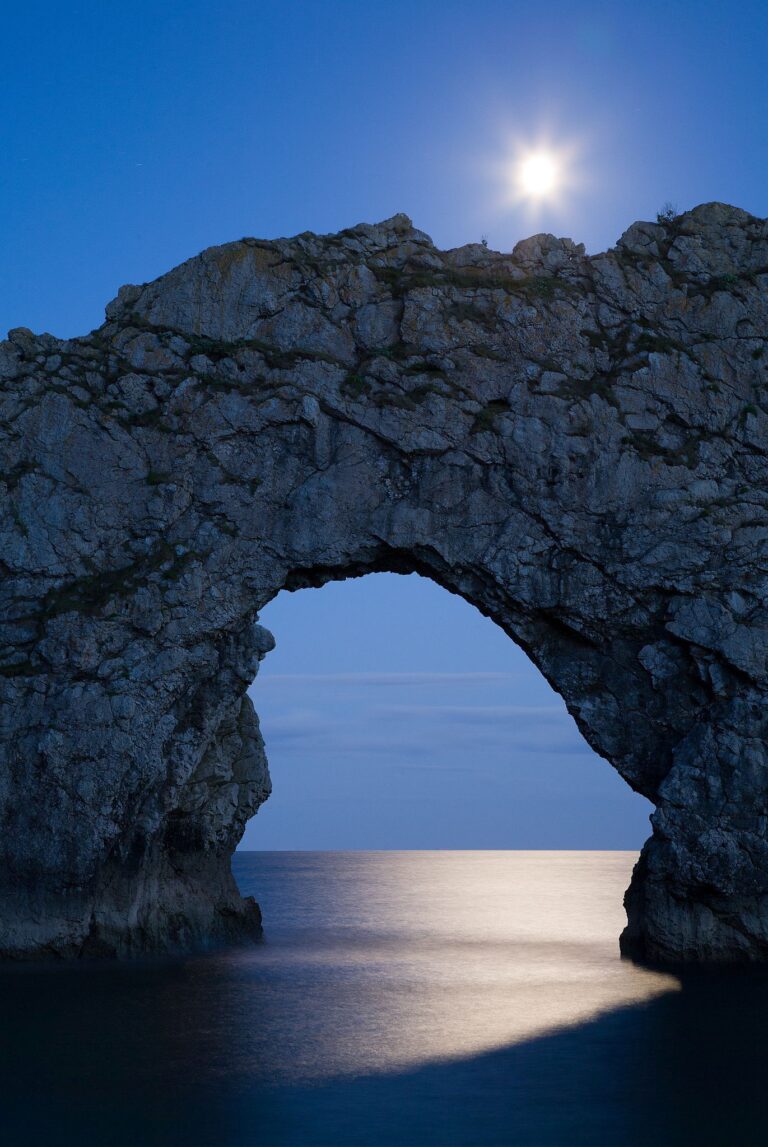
577	445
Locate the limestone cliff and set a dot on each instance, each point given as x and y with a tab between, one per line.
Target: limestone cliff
575	444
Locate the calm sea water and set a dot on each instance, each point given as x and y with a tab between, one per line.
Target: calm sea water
402	998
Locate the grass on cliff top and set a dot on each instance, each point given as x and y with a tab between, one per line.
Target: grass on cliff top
401	280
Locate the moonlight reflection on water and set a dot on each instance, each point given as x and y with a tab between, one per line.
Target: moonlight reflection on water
399	959
437	998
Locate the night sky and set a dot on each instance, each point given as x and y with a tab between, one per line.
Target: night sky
134	135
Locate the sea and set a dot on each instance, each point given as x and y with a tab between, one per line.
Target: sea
397	998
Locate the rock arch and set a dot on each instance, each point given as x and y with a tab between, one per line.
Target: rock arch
574	444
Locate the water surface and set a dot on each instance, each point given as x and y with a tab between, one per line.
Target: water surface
397	999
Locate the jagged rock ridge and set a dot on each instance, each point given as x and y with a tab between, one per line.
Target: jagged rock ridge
575	444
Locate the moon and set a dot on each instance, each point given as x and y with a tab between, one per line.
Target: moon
537	175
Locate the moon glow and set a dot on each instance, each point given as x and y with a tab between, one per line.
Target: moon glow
537	175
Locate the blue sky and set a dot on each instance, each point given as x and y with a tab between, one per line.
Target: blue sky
134	135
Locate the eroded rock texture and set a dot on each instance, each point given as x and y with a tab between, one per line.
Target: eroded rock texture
576	445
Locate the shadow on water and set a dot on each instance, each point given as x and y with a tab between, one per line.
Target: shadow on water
140	1056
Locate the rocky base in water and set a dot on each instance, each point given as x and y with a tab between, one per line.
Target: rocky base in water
576	445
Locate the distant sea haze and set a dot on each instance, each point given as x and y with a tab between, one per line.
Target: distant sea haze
433	760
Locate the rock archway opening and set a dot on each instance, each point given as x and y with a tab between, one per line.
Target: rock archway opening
396	716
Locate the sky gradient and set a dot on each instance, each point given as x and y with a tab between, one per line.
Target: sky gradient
135	135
